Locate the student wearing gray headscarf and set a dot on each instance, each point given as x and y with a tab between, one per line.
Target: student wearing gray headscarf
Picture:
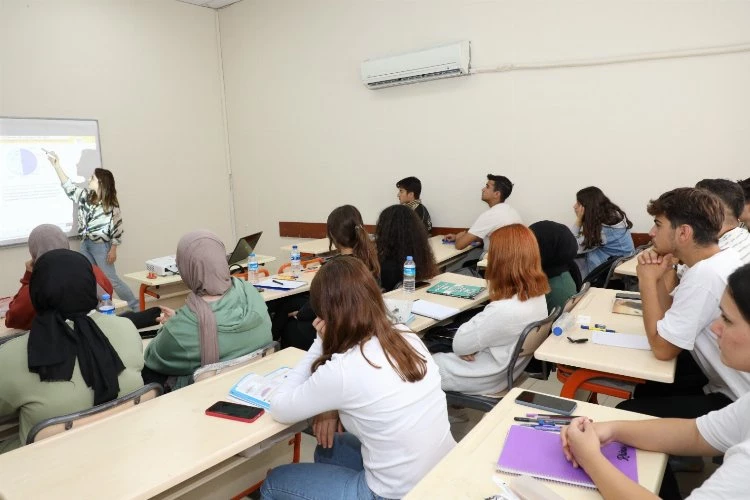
42	239
223	317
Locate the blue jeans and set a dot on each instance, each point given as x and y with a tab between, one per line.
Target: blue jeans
97	254
337	473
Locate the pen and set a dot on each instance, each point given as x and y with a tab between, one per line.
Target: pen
542	421
548	428
551	415
595	329
278	282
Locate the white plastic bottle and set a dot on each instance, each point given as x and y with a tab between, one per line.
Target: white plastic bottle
563	323
105	305
296	261
252	268
410	275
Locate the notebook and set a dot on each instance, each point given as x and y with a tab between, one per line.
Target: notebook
539	454
627	340
633	307
280	284
256	389
433	310
455	290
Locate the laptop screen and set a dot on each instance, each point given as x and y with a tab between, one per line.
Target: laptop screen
245	247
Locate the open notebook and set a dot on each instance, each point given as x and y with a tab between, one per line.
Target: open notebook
539	454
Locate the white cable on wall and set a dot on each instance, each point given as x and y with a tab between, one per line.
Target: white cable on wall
625	59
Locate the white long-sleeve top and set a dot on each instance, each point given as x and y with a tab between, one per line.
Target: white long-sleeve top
492	334
403	426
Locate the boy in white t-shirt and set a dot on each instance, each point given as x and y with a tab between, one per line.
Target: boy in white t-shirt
494	193
726	431
733	200
686	225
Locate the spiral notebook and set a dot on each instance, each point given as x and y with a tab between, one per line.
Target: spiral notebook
539	454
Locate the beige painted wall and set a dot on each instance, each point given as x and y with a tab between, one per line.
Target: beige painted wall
306	135
149	71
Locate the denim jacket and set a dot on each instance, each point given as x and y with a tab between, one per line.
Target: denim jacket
616	241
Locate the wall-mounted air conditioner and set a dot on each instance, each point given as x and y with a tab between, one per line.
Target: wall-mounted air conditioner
428	64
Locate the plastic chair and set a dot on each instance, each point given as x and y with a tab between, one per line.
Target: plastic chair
575	299
305	263
614	265
208	371
528	342
619	386
56	425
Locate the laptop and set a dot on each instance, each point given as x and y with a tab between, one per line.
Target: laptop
245	247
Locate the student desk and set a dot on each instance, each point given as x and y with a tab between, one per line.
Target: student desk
445	253
420	323
147	283
467	471
602	361
145	450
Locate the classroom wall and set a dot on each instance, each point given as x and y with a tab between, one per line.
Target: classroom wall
307	136
149	71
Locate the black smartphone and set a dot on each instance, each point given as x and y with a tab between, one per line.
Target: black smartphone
628	296
547	403
421	284
235	411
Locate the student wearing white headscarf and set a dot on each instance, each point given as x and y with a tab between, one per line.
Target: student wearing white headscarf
223	318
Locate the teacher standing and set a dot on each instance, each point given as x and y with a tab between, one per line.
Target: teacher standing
99	223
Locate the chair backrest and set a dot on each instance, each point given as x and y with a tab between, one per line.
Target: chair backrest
305	263
531	338
614	265
575	299
208	371
56	425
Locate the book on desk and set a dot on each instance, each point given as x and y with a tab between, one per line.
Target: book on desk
256	390
455	290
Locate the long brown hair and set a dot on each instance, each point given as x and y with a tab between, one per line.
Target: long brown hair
514	265
108	198
345	295
345	229
398	234
598	211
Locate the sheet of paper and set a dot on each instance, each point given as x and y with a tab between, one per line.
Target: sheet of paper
627	340
433	310
280	284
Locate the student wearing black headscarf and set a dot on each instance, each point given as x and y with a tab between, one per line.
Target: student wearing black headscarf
101	355
558	248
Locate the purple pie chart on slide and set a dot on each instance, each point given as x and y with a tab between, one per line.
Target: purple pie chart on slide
21	161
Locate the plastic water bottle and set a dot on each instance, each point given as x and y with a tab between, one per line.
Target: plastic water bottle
410	275
252	268
296	261
564	322
105	305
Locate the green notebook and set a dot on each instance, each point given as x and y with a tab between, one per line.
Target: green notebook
455	290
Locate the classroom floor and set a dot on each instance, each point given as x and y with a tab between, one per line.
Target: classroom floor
465	419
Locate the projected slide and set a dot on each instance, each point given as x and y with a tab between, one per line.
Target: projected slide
30	192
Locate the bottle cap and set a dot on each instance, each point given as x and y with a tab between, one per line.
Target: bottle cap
408	257
557	330
252	254
106	296
294	247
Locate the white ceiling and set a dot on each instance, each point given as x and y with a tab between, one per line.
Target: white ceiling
211	4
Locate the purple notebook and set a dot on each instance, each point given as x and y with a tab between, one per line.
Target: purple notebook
539	454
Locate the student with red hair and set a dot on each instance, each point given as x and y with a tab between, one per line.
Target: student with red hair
482	347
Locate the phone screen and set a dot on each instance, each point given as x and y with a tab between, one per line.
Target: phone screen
421	284
234	411
545	402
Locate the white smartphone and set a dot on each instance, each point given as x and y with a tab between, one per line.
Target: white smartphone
548	403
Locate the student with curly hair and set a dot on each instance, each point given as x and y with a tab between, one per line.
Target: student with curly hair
399	233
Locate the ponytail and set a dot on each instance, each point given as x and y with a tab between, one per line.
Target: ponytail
364	249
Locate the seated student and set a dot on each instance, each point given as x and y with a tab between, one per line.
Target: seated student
732	199
398	234
495	193
223	318
726	431
346	231
686	224
70	360
42	239
601	228
409	190
558	249
482	347
745	217
366	376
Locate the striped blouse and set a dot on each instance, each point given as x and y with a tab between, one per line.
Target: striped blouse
93	222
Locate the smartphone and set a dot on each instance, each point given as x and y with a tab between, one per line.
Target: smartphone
421	284
235	411
547	403
628	296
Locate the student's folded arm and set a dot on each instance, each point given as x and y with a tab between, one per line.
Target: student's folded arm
165	355
304	395
469	338
465	240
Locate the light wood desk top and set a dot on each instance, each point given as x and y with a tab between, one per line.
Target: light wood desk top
144	450
627	268
420	323
482	264
142	276
467	471
314	247
618	360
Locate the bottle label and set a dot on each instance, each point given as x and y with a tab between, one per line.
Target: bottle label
410	272
253	266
